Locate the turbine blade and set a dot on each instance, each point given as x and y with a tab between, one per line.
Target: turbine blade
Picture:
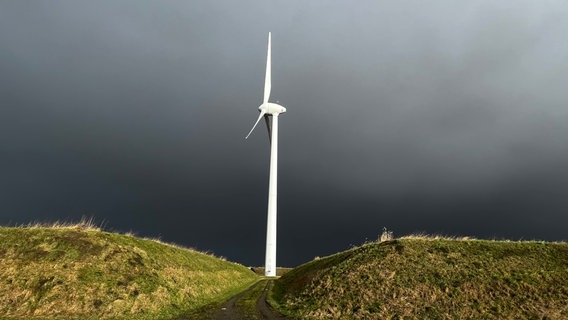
268	76
262	113
267	121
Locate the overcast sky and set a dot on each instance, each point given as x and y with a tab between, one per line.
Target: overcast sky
445	117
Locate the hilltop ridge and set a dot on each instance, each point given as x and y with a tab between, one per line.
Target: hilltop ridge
431	278
73	272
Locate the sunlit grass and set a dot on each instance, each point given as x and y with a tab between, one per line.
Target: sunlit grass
77	271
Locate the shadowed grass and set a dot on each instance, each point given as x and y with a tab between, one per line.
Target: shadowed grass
436	278
79	272
279	271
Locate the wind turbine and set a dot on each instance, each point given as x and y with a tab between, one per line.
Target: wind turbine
270	110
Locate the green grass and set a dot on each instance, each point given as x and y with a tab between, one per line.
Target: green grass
431	278
77	272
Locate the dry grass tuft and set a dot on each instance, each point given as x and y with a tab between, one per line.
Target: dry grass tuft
425	236
85	223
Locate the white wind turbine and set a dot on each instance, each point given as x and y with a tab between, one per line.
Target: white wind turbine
268	109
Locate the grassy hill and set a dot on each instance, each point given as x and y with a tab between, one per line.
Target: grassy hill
80	272
431	278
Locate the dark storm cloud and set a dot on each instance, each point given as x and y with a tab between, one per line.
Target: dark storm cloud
444	117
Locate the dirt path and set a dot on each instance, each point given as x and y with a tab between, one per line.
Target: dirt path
248	305
265	310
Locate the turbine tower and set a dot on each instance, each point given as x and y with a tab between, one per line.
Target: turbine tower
270	110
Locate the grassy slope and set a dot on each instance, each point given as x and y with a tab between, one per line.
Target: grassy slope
68	273
420	278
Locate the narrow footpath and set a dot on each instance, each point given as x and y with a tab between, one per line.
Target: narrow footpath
248	305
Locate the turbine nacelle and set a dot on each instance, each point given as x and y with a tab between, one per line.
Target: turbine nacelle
271	108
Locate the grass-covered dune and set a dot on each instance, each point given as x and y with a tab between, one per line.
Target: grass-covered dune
78	272
431	278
